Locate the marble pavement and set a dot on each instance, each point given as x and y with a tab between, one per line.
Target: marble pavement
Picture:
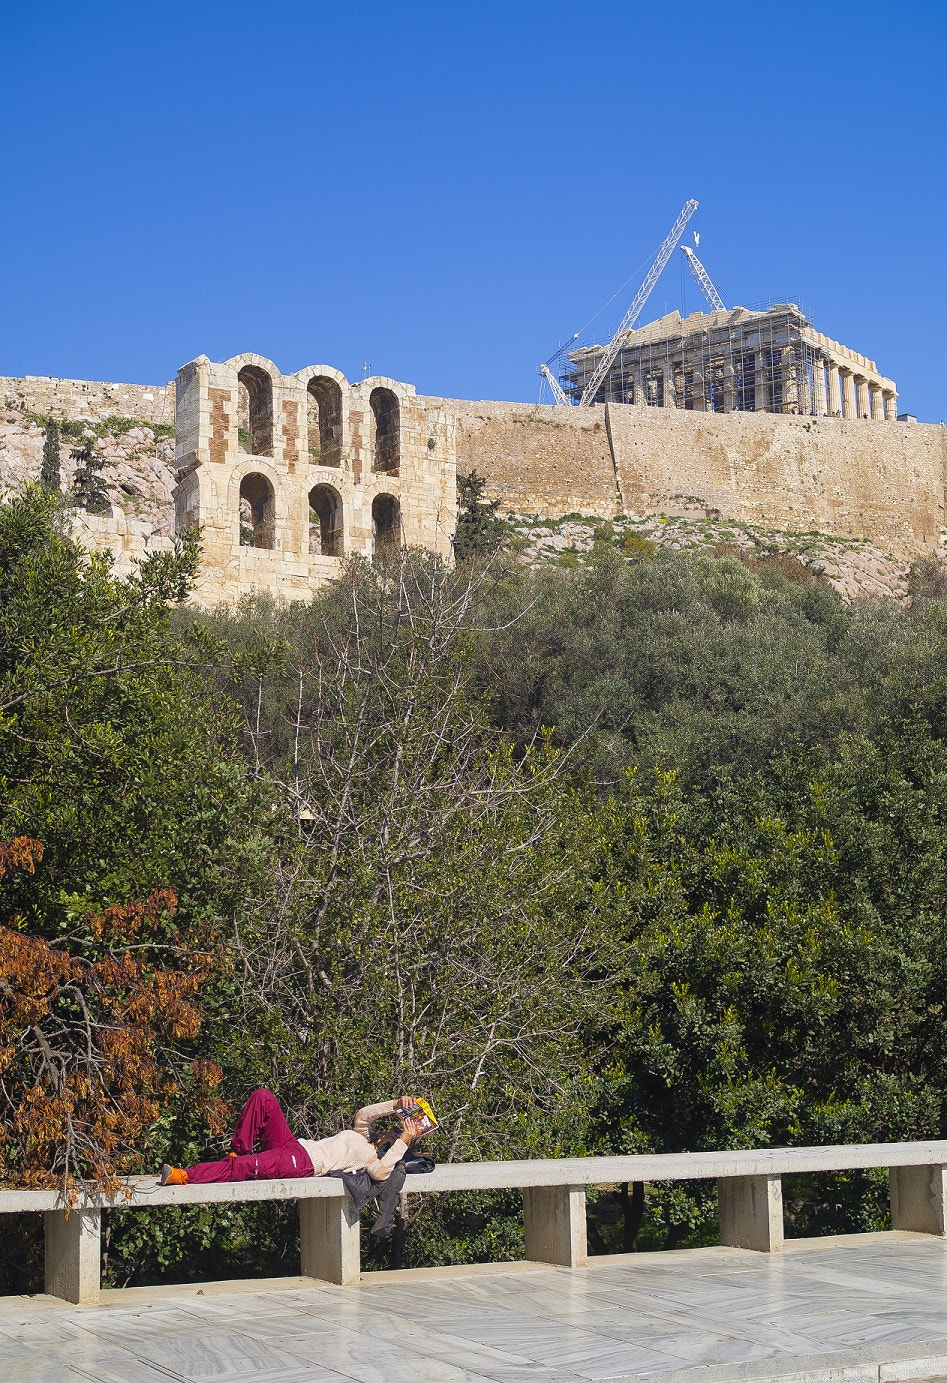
868	1309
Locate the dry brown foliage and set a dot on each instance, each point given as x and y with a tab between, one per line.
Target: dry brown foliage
89	1034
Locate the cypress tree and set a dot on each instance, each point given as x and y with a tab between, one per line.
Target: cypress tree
87	483
480	530
49	476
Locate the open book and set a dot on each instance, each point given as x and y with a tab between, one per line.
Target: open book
422	1114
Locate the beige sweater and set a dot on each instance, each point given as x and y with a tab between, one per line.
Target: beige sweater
351	1151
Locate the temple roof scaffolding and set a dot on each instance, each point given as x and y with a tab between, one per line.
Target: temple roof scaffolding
740	360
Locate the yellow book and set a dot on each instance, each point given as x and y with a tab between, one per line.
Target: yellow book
422	1114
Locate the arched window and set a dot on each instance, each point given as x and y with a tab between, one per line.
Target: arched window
386	524
255	411
325	522
386	431
324	398
257	512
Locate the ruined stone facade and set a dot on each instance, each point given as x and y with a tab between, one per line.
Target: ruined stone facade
289	474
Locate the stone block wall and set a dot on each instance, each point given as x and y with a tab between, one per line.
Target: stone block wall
538	459
842	477
83	398
128	540
845	477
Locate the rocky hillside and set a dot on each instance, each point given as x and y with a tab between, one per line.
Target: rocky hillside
139	461
852	567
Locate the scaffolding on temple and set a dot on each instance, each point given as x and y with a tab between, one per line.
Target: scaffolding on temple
765	360
715	362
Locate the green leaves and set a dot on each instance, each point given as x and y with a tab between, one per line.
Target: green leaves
113	751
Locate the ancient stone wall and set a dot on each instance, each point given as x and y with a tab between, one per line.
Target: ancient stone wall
538	459
845	477
83	398
842	477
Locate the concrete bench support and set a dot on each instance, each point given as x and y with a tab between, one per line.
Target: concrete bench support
329	1242
74	1255
751	1212
919	1199
554	1225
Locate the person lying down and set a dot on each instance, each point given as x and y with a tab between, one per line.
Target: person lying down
262	1124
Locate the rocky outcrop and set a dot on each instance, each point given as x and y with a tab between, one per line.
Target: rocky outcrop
138	471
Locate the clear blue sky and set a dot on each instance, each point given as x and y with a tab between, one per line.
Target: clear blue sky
447	191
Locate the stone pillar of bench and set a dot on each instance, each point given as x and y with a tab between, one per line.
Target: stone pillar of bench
74	1255
329	1241
919	1199
751	1212
554	1225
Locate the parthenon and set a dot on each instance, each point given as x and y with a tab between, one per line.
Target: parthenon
771	361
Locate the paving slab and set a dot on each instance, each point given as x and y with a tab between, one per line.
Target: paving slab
873	1310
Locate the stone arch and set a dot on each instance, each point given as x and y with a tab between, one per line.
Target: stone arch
324	413
386	430
386	524
257	511
255	410
325	522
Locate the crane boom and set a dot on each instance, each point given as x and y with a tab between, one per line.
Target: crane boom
704	280
555	386
641	297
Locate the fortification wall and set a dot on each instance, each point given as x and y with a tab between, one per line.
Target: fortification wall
848	478
538	459
84	398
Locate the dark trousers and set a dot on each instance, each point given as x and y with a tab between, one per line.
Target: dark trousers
261	1122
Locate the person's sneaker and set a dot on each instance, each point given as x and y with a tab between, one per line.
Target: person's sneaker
173	1176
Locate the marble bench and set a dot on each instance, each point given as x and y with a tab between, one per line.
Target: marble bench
749	1193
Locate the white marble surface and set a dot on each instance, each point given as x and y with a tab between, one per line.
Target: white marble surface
869	1312
577	1171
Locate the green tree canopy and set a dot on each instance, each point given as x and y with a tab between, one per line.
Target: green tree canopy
50	477
87	484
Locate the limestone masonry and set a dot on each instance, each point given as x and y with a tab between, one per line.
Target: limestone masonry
288	474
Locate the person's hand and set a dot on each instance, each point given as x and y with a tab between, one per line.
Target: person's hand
410	1130
407	1102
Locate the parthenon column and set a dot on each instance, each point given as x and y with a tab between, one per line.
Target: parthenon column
669	400
877	405
763	392
818	387
849	404
835	396
789	379
891	406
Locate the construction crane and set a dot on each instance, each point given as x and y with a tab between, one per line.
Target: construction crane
555	386
641	297
704	280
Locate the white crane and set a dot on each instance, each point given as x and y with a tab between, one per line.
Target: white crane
641	297
704	280
557	391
